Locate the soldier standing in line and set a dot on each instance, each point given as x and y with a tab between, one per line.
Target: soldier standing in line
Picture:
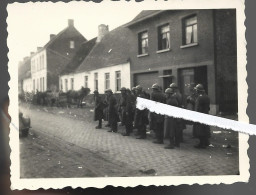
134	95
105	111
157	120
112	111
141	118
170	123
202	106
180	122
191	102
98	110
129	112
122	105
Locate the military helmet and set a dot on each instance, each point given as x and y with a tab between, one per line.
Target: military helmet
155	86
123	89
173	85
199	87
96	92
169	91
109	90
138	87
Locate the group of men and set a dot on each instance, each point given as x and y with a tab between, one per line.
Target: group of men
124	110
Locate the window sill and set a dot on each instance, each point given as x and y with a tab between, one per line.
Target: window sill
142	55
189	45
163	50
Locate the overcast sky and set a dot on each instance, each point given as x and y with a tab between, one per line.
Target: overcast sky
30	24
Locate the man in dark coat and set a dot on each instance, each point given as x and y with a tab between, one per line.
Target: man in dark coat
180	122
202	131
122	105
157	120
98	110
170	123
112	111
141	116
129	112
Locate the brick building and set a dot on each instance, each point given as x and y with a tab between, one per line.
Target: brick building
49	61
187	47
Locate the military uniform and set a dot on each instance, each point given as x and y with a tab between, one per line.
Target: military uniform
129	113
98	110
112	113
141	119
202	131
121	110
157	120
191	102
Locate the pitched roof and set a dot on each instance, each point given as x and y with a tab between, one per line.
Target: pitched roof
143	15
114	48
52	40
80	55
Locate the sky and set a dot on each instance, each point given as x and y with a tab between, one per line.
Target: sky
30	24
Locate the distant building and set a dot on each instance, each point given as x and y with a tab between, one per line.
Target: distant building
187	47
24	78
107	65
48	62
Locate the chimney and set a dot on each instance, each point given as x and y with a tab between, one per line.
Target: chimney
70	22
52	35
25	58
32	53
38	48
102	31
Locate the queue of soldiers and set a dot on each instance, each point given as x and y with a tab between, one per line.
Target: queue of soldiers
125	111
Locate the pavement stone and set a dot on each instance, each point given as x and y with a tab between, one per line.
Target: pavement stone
138	154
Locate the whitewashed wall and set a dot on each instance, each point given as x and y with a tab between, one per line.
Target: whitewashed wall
42	73
79	78
63	78
27	85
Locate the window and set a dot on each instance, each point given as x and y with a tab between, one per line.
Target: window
107	81
43	84
40	85
34	85
86	81
164	37
95	81
42	61
37	84
66	84
72	83
61	85
72	44
118	80
143	42
190	30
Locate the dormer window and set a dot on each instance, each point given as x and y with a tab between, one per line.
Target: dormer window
72	44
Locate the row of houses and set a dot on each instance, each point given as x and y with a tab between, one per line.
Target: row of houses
157	46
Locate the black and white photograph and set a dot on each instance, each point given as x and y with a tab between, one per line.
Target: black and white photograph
77	70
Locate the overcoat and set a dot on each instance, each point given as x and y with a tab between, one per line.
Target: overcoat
202	106
141	116
112	110
156	118
170	123
98	110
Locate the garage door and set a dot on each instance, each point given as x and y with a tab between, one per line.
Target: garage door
146	80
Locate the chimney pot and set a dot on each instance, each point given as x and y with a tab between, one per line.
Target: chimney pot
31	53
52	35
102	31
70	22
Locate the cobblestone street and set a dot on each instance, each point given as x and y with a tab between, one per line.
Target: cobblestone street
76	149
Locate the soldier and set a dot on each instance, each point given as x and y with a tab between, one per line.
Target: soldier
112	111
170	123
191	102
122	105
141	118
105	111
157	120
129	112
98	110
202	131
133	91
180	122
